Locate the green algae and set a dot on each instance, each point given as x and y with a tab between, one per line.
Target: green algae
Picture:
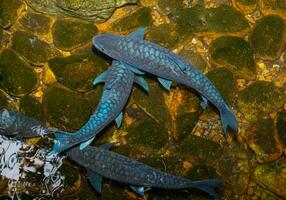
65	109
281	127
267	37
140	18
259	100
71	33
31	107
15	74
194	58
9	11
235	54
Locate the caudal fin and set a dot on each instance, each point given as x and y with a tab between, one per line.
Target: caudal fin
208	186
62	141
228	120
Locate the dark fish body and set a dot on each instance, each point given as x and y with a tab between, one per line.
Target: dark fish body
13	123
165	64
122	169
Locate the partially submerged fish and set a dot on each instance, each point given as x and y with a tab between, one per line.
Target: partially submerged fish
101	162
168	66
12	123
117	88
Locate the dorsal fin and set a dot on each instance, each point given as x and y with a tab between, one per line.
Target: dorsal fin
138	34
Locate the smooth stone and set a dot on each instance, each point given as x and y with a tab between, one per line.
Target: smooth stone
140	18
31	107
262	138
36	23
71	33
34	50
259	100
78	70
267	37
65	109
15	73
9	12
235	54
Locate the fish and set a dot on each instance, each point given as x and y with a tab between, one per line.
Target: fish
116	91
101	163
145	56
13	122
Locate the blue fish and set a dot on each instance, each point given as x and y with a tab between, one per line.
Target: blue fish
143	55
100	162
117	88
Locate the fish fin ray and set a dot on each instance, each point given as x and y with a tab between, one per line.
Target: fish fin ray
118	119
61	143
134	70
208	186
100	78
204	103
165	83
141	81
86	143
107	146
228	119
138	34
95	180
138	190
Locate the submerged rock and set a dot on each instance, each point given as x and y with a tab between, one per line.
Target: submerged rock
31	107
79	70
140	18
71	33
4	101
171	8
263	140
65	109
9	11
276	7
194	58
36	23
267	38
272	176
245	6
19	77
204	21
281	127
259	100
235	54
32	48
95	10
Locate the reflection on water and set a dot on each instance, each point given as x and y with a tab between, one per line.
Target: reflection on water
18	161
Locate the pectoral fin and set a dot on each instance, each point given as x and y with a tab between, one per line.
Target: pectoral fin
95	180
100	78
204	103
139	190
85	144
134	70
141	81
118	120
138	34
165	83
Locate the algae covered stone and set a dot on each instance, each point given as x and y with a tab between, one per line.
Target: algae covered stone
71	33
194	58
277	7
65	109
171	8
36	23
32	48
259	100
272	176
31	107
19	77
235	54
281	127
4	101
221	20
267	37
262	138
245	6
140	18
79	70
9	11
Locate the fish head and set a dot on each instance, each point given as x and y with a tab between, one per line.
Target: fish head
6	120
107	44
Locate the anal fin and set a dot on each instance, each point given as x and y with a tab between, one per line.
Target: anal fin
95	180
138	190
165	83
204	103
118	120
100	78
85	144
141	81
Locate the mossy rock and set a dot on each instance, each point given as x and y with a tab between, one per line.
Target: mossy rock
259	100
245	6
276	7
267	37
36	23
194	58
19	77
4	101
149	134
72	33
233	167
264	194
140	18
281	127
65	109
199	172
171	8
115	190
79	70
164	35
199	150
272	176
31	107
263	140
94	95
235	54
32	48
9	11
204	21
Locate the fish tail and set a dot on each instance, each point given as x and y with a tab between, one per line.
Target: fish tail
228	119
208	186
61	141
